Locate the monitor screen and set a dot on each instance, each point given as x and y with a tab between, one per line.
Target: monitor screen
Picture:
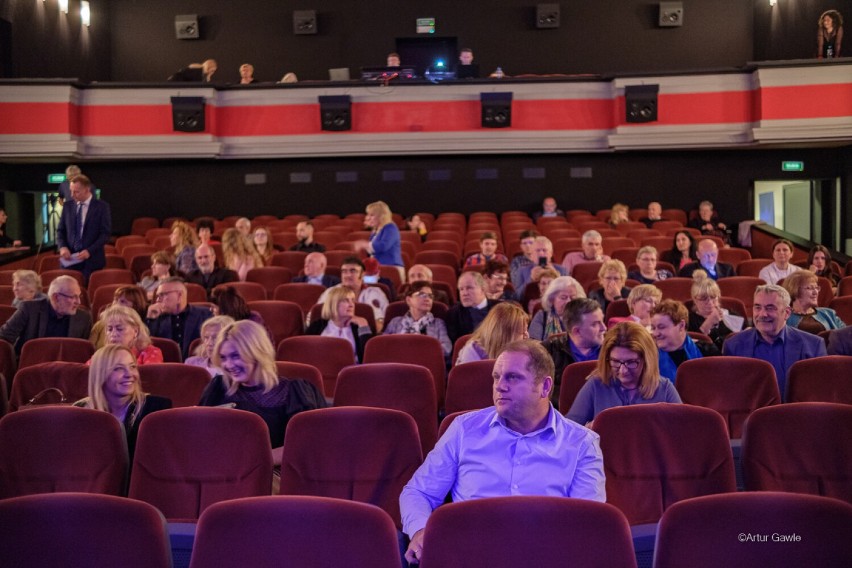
428	52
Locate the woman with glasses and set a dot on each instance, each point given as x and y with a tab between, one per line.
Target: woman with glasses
548	320
707	315
612	276
641	300
419	318
803	287
627	373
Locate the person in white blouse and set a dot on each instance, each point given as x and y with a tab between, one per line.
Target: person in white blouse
338	319
781	267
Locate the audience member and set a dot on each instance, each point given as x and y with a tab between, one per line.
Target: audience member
229	302
780	267
487	251
55	316
243	225
162	267
620	213
115	387
123	326
250	381
592	244
314	271
542	281
246	74
473	306
5	240
771	339
172	317
84	228
683	251
648	272
131	297
548	320
196	72
840	341
203	354
465	68
480	454
819	262
548	209
526	258
184	240
584	323
641	301
416	224
26	285
240	254
338	319
205	228
384	243
708	255
830	35
352	272
668	327
504	324
262	240
707	315
496	278
544	259
611	277
305	234
419	318
655	213
421	272
627	374
209	275
708	221
807	315
393	60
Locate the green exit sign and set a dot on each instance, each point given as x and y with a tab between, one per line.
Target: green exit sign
792	166
55	178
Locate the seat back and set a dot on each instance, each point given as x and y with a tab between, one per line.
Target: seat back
470	386
802	447
301	371
294	531
70	378
821	379
398	386
487	532
250	291
783	530
732	386
282	319
110	276
188	458
182	384
573	379
303	294
742	288
328	354
675	288
352	453
658	454
291	259
76	529
45	349
410	348
61	448
170	348
269	277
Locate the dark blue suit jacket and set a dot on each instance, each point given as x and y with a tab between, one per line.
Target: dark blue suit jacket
96	232
162	326
327	280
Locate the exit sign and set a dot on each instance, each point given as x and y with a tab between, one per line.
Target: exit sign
792	166
425	25
55	178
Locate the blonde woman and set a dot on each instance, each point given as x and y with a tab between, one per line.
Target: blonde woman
641	300
184	239
26	285
627	373
250	381
262	240
707	315
611	277
505	323
338	319
240	254
548	320
203	355
384	243
620	213
122	326
114	387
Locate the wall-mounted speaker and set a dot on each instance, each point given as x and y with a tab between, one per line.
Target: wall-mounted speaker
496	110
304	22
547	16
186	27
336	112
188	114
671	14
640	102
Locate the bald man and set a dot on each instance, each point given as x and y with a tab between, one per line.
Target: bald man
314	271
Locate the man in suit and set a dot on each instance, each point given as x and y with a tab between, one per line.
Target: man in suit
472	308
55	316
314	271
172	317
771	339
840	341
84	229
708	253
208	274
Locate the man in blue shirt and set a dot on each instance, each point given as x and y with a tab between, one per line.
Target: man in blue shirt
520	446
771	339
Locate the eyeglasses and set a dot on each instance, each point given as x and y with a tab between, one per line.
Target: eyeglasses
631	365
161	295
706	298
812	288
69	296
424	295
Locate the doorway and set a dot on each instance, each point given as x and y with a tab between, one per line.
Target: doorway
807	208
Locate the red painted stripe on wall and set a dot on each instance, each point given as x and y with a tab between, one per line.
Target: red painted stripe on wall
37	118
273	120
806	101
726	107
133	120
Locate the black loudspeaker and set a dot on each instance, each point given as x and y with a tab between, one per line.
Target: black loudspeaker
336	113
186	27
304	22
496	110
547	16
640	102
188	114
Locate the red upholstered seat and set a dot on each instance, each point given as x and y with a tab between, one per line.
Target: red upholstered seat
573	379
328	354
303	371
675	288
821	379
303	294
414	349
170	349
71	378
269	277
182	384
282	319
470	386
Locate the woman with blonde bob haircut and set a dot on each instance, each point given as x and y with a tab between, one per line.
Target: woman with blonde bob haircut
123	326
114	387
627	373
250	381
505	323
707	315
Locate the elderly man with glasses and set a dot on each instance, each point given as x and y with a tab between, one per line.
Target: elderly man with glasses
171	316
